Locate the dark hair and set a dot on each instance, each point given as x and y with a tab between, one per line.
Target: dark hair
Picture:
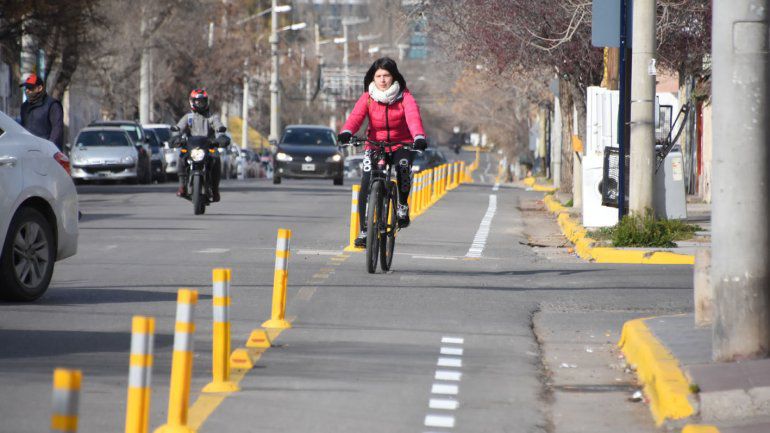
389	65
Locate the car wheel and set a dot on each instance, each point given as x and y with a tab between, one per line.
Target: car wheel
276	180
339	180
28	257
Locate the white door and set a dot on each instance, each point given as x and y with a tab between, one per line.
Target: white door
11	178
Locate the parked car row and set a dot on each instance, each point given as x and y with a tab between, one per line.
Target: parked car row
124	150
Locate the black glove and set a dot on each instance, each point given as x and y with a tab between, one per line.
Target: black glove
344	137
420	144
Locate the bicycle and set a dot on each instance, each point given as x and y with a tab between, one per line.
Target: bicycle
381	220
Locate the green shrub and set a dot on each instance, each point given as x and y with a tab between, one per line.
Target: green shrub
646	231
569	203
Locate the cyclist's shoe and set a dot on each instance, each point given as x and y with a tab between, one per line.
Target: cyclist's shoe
402	212
360	241
215	196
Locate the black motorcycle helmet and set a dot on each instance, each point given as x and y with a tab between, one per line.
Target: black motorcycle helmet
199	101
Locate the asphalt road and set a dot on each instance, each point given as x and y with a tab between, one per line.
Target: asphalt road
364	349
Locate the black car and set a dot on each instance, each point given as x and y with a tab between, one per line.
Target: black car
429	158
157	158
141	141
308	151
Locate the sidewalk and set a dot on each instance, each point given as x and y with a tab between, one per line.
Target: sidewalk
570	221
685	388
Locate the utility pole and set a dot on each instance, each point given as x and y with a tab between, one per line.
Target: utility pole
144	71
275	121
642	108
245	109
740	265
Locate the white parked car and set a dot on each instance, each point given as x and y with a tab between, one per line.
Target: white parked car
38	211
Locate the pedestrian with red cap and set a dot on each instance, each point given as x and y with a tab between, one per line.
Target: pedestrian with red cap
41	114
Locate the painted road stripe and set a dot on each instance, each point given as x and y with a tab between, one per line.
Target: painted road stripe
448	375
457	351
318	253
450	362
213	251
480	240
447	421
452	340
444	388
434	257
443	403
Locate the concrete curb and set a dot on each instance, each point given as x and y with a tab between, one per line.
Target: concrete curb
530	182
585	249
658	370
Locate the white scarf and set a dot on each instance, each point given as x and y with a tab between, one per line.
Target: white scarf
386	97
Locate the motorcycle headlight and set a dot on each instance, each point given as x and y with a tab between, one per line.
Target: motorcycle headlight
334	158
415	168
197	154
128	160
283	157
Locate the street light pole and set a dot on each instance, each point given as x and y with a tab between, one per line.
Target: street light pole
740	264
245	109
275	125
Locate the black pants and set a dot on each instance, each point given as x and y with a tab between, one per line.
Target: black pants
402	160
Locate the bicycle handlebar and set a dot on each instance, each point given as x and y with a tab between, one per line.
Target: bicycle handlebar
357	141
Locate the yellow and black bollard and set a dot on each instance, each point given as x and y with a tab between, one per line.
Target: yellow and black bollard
221	346
66	393
354	219
139	374
181	364
280	281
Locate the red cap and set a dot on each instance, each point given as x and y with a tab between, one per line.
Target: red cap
32	80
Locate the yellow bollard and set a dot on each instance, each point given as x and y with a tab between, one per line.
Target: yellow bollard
139	374
354	220
66	391
181	364
280	279
220	353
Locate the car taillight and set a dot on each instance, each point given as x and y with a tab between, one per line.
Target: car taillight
63	161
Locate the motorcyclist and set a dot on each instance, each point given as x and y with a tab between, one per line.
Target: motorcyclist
199	122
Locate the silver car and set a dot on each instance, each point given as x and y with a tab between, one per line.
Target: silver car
105	153
38	212
163	132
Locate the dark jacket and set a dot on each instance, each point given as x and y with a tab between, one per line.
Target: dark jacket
45	119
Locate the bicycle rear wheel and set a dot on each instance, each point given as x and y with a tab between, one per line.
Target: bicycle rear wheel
390	227
373	213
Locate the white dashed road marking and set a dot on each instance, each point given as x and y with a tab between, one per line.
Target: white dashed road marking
447	421
452	340
446	389
456	351
450	362
448	375
443	403
480	241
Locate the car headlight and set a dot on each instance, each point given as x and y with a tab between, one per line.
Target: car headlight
415	168
283	157
128	160
79	160
197	154
334	158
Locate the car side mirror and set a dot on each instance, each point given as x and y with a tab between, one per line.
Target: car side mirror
174	128
221	129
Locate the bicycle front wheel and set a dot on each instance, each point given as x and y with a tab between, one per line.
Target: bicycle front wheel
390	227
373	212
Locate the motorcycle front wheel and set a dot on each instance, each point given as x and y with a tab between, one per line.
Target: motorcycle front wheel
199	204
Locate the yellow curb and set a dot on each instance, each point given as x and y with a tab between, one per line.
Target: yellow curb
658	370
692	428
584	246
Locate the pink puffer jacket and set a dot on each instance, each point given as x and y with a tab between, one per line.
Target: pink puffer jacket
399	121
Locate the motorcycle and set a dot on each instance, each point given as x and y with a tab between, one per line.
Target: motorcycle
198	154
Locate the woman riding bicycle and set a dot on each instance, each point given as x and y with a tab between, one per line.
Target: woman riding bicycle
393	116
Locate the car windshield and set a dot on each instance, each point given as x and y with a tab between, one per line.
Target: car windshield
102	138
164	134
313	137
133	131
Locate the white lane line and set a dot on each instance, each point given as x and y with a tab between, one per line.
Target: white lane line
448	375
480	240
318	252
443	403
450	362
452	340
496	187
456	351
434	257
213	251
447	421
444	388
